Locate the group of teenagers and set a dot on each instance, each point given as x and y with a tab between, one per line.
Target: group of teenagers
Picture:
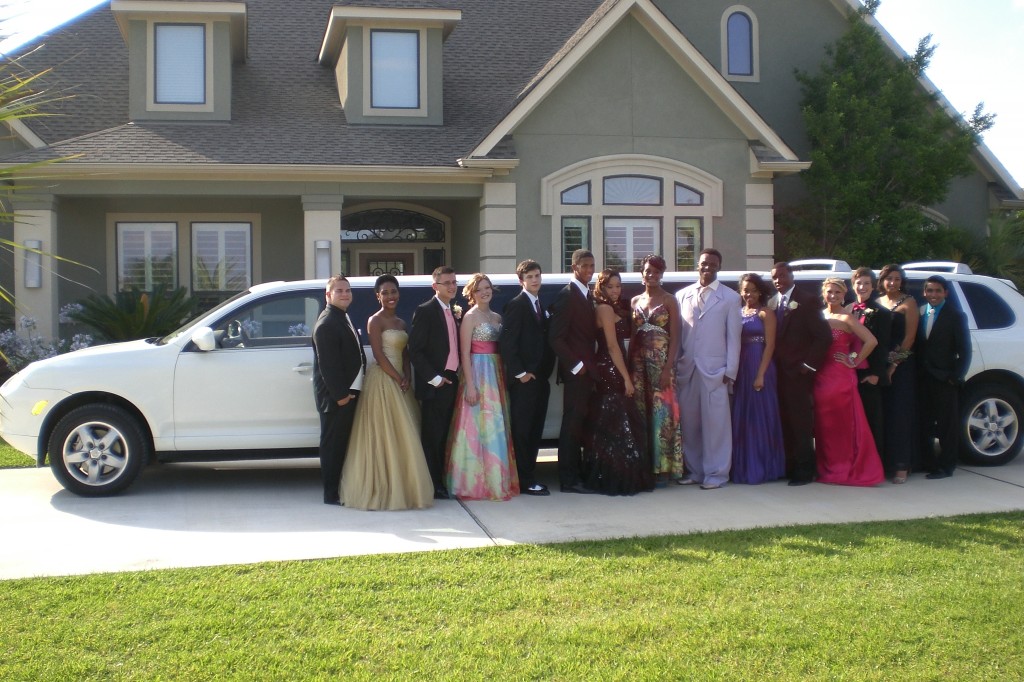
716	386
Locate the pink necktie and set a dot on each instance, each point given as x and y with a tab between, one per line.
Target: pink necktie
453	347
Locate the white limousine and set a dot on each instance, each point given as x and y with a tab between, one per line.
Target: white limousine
235	383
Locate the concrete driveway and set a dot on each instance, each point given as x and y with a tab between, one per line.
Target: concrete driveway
179	515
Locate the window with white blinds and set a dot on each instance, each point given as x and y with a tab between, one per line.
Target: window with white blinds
179	52
221	256
147	255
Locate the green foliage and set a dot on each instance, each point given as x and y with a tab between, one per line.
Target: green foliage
881	148
934	599
135	314
1000	253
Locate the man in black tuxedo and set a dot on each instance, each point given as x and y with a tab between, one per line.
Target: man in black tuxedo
801	341
573	338
877	319
943	351
338	367
528	363
434	352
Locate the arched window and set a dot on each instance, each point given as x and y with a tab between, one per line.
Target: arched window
740	44
625	206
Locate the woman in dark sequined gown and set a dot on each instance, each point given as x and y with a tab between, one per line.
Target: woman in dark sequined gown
615	460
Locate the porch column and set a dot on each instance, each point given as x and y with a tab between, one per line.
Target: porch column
760	227
35	276
321	234
498	228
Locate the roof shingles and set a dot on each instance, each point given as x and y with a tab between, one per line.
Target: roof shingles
285	107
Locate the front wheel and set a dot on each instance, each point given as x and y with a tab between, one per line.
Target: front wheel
991	415
97	450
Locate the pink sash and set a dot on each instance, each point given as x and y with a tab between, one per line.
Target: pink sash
484	347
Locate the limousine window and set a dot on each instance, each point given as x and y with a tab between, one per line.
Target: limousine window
989	309
270	322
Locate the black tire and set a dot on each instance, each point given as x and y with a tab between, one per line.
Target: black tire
97	450
991	416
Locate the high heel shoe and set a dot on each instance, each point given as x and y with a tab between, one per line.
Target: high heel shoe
900	478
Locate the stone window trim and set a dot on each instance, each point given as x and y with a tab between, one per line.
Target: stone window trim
378	79
421	72
754	46
670	171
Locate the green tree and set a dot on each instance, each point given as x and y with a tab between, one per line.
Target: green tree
882	147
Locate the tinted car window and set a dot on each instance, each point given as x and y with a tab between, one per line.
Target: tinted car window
989	309
279	320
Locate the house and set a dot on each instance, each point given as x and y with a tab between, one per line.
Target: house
214	144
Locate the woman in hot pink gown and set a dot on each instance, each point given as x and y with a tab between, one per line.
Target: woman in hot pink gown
843	444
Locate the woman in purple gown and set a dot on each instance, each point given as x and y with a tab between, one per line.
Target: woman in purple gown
843	444
615	460
758	453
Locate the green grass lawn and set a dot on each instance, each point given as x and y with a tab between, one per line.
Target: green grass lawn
936	599
12	459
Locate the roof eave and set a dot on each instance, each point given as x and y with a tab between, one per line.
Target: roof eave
341	17
264	172
234	12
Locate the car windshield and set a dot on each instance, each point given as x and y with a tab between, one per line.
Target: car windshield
188	325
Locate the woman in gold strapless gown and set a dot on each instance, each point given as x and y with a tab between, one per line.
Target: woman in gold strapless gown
385	467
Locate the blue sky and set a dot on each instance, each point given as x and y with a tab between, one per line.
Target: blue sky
979	58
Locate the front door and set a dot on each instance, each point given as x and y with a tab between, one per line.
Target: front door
387	263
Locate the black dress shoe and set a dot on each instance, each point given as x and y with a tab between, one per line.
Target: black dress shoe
441	494
537	489
335	501
935	475
798	481
578	488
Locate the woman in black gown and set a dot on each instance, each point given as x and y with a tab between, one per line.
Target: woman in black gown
899	398
615	460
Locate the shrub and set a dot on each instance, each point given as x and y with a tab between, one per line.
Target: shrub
136	314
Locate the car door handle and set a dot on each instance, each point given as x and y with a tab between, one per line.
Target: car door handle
304	368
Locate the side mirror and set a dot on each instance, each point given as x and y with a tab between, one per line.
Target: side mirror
204	339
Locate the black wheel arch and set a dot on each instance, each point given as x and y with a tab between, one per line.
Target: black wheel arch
73	402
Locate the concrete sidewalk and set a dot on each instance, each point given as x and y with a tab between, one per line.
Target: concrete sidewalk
202	515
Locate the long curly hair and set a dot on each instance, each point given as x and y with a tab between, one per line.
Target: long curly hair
605	276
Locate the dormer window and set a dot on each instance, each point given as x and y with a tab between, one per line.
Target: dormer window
180	57
387	62
395	69
179	64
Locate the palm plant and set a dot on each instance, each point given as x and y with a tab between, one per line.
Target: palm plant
21	98
1001	252
136	314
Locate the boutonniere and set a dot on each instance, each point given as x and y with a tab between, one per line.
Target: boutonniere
866	313
457	311
793	305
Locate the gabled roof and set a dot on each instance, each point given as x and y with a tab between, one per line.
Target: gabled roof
502	58
595	29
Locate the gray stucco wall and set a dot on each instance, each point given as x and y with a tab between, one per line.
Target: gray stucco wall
628	97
